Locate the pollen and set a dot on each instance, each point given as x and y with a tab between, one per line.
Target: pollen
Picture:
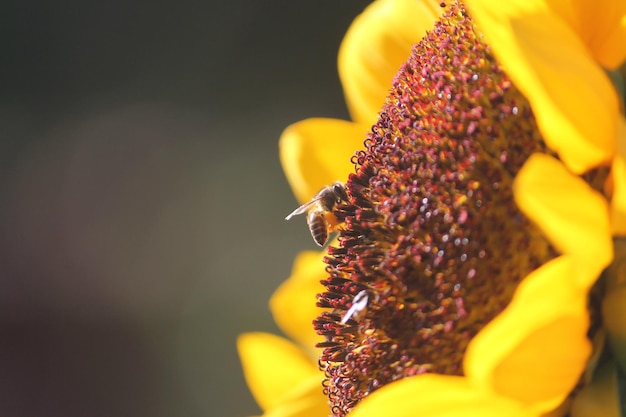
432	245
331	220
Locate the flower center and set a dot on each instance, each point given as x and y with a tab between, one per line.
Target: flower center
433	245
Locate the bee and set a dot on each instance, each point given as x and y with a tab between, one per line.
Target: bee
359	304
320	219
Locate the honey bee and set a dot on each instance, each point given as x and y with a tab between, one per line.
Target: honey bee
320	219
359	304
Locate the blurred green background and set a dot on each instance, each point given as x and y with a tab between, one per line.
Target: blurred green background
141	195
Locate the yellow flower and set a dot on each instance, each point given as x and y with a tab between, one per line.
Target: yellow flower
481	215
314	153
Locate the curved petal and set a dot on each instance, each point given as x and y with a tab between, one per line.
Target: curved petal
376	44
317	152
293	304
438	396
618	173
537	348
306	400
572	215
618	202
270	383
575	104
602	28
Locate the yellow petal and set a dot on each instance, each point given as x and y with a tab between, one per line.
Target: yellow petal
438	396
317	152
573	216
273	366
602	27
618	202
618	174
376	44
293	303
574	102
536	350
307	401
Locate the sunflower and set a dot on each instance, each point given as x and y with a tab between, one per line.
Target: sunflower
314	153
488	199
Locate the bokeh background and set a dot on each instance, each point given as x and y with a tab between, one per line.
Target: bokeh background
141	195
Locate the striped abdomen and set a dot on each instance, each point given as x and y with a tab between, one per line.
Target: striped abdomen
318	226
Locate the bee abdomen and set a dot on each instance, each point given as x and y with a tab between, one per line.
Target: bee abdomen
318	227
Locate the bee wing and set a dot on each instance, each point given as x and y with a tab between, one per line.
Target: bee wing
359	303
302	209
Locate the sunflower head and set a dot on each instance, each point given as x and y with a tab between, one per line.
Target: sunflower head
432	235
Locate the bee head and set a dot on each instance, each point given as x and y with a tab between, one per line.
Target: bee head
339	190
332	195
